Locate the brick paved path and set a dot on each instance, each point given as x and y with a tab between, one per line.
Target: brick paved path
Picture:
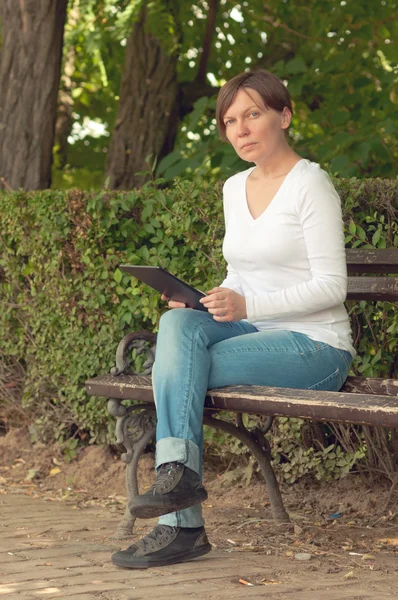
50	550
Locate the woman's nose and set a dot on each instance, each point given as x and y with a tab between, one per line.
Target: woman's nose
242	128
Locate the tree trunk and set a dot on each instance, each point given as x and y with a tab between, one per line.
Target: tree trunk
64	121
30	65
148	114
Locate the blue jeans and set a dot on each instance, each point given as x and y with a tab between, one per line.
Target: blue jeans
194	353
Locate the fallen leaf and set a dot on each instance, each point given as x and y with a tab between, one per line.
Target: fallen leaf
350	575
390	541
368	557
297	529
31	474
55	471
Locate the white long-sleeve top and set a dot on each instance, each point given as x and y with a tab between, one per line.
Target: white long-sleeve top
289	263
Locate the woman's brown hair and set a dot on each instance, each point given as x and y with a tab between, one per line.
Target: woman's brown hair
273	92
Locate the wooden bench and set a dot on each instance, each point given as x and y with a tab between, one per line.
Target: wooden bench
369	401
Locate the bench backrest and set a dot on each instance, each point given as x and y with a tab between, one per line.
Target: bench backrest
372	262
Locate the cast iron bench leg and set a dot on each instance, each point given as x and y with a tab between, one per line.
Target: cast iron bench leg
134	431
260	449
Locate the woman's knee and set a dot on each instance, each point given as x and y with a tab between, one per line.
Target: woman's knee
173	318
174	325
178	319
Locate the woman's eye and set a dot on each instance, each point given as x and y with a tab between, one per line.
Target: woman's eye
229	122
254	113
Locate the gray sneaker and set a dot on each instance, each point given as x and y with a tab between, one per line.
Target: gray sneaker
164	545
176	487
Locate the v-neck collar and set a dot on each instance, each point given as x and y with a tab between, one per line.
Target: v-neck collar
266	210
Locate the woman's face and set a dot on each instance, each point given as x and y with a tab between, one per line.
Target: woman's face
254	131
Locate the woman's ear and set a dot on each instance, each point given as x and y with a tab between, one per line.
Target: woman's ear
286	118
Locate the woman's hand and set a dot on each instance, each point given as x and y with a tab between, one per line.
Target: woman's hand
225	304
173	303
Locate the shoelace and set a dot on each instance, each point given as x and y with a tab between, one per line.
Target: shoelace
164	474
155	536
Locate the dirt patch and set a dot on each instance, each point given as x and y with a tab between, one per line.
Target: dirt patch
96	473
12	444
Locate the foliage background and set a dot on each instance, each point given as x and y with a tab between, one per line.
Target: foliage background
339	60
65	305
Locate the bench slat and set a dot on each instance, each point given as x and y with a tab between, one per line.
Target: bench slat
370	409
371	385
379	260
373	288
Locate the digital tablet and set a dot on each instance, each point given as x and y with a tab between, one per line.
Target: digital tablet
164	282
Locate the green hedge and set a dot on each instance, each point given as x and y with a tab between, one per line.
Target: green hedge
65	305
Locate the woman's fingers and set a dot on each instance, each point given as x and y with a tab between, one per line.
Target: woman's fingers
219	304
174	304
214	300
218	310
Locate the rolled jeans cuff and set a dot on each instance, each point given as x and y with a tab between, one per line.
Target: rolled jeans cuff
176	450
189	517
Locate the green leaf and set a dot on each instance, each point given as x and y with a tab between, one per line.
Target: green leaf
147	211
296	65
168	161
376	237
118	275
361	233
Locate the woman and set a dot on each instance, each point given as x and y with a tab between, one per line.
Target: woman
278	319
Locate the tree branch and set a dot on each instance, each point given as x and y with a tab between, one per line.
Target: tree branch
192	91
204	57
277	24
